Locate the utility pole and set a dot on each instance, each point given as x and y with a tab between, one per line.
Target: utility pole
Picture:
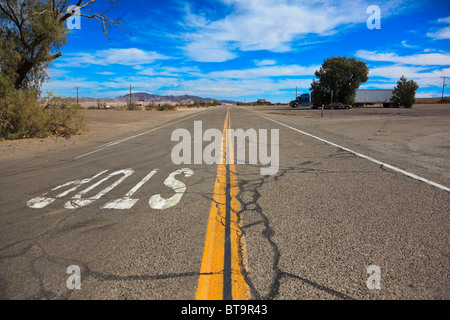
130	95
443	87
296	92
331	103
77	93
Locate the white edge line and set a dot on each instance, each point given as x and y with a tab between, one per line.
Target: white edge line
386	165
110	144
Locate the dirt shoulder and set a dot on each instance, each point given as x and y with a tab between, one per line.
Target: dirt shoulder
370	123
102	126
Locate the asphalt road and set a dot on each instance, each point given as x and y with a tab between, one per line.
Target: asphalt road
328	224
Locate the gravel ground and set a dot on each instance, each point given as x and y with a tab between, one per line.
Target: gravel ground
417	139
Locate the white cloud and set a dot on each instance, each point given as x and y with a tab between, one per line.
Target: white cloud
169	71
395	72
272	25
132	56
407	45
444	20
266	71
425	77
236	88
443	33
421	59
426	95
106	73
266	62
424	68
143	83
207	51
66	86
128	57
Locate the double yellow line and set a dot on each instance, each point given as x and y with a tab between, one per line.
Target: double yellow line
223	264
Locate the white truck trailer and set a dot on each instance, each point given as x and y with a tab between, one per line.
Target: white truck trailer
371	97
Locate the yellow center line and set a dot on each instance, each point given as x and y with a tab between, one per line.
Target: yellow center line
223	264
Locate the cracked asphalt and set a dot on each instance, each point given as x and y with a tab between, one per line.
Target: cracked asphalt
310	231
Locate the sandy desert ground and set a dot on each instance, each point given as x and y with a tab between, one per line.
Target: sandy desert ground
102	126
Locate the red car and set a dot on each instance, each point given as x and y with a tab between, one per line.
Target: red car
337	105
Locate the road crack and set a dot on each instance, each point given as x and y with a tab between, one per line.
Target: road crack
248	196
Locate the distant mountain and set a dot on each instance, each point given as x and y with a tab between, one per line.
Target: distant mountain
147	98
158	98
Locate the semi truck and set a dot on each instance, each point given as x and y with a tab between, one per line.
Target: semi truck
302	100
305	100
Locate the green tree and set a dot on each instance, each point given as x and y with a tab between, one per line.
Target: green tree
32	34
342	76
404	93
319	95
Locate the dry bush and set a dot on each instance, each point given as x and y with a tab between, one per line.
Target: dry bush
21	116
65	118
151	106
131	106
166	107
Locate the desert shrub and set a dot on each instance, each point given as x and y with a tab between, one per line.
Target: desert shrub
151	106
21	116
65	118
214	103
165	107
203	104
131	106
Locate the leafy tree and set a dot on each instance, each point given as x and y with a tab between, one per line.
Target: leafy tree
319	95
343	76
404	93
32	33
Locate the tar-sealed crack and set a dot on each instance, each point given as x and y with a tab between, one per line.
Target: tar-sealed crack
41	292
249	196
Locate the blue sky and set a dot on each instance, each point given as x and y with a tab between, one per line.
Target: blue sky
252	49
